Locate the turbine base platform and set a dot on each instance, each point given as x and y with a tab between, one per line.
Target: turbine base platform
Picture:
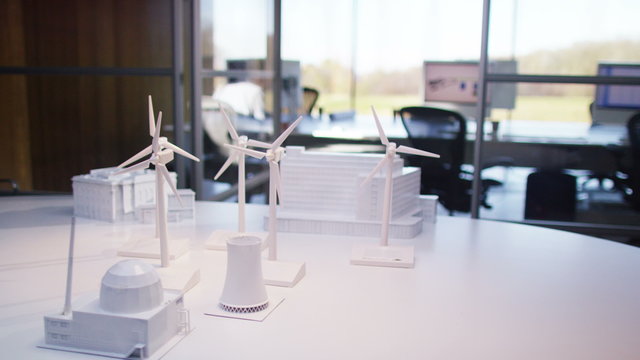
386	256
149	248
282	273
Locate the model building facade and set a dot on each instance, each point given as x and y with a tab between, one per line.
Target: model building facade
321	193
104	196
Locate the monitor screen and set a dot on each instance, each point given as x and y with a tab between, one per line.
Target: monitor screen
618	96
452	82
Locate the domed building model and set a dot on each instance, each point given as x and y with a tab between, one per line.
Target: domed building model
130	286
133	316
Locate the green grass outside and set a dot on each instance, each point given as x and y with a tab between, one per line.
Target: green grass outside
543	108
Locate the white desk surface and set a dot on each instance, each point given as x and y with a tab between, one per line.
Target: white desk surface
479	290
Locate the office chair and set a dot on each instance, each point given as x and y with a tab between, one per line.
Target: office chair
309	99
633	179
551	195
443	177
12	185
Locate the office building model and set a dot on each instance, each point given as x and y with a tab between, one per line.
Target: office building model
103	195
337	205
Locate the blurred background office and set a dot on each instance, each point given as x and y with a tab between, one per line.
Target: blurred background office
555	147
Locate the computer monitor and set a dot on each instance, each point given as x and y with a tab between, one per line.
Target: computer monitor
452	82
615	104
455	84
618	96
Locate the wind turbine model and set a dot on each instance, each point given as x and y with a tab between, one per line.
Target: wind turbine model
218	239
161	151
383	254
276	272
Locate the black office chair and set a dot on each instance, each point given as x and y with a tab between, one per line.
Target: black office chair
551	195
443	177
633	178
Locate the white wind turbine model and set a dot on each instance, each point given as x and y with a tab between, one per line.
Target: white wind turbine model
276	272
161	151
383	254
218	239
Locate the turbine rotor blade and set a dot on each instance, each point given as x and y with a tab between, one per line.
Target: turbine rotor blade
383	137
260	144
165	173
408	150
230	128
253	153
156	135
152	121
226	165
139	166
136	157
276	144
180	151
374	171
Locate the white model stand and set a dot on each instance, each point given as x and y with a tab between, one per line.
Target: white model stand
337	205
218	239
385	255
276	272
162	152
133	316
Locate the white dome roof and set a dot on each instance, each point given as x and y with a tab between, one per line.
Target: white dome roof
130	286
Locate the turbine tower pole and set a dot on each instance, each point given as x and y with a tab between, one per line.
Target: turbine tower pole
386	208
272	212
67	299
162	217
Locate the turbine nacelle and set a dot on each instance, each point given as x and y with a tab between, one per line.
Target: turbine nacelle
391	149
163	157
275	155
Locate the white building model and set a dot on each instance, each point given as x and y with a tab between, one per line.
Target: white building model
133	317
104	196
321	194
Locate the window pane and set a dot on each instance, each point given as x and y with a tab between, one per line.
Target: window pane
550	37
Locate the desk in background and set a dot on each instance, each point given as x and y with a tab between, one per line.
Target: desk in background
479	290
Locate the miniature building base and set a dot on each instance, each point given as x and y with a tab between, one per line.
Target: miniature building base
179	277
159	354
218	239
388	256
150	248
90	329
274	301
282	273
406	227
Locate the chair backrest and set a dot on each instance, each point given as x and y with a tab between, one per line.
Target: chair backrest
426	123
633	132
551	195
309	99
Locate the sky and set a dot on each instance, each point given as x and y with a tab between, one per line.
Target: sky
397	34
